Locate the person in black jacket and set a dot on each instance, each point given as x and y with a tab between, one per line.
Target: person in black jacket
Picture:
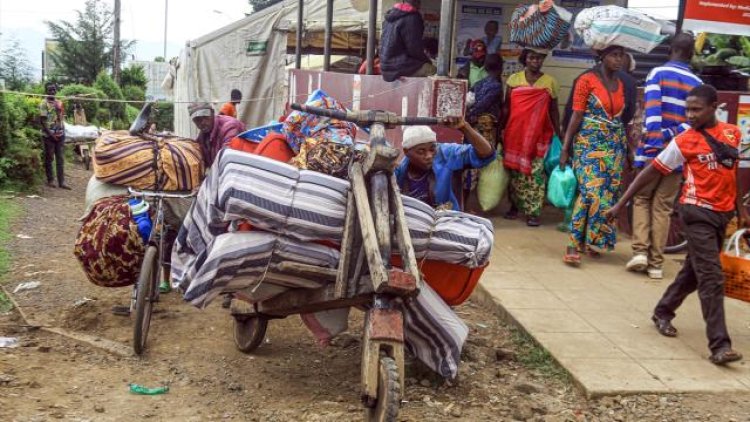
401	45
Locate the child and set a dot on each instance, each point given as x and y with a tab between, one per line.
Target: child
709	199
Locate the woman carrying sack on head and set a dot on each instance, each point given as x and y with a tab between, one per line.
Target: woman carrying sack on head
597	136
532	117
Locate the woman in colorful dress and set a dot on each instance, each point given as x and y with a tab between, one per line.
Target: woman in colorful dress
599	145
533	117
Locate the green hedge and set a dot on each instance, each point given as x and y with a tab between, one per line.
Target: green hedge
20	162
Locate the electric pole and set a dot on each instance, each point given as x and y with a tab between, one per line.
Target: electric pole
116	47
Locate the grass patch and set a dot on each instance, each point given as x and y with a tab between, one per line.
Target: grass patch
8	211
536	358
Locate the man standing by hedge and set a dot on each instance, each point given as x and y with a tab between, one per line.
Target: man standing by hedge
53	136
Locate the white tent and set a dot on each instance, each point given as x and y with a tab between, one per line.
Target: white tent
250	55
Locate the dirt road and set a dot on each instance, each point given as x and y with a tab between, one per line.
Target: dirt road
290	378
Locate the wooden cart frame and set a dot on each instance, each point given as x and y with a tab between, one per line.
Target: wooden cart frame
374	219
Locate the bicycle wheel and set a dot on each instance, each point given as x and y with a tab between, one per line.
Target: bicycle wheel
145	297
388	401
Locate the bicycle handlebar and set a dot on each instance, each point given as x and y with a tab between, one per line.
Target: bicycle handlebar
158	194
368	117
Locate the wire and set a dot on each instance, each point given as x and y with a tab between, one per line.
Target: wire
248	100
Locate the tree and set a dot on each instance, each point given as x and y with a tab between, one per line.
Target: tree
259	5
15	67
134	75
86	46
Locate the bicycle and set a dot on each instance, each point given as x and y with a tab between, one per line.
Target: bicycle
146	289
374	227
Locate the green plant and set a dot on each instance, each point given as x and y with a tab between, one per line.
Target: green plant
91	108
107	85
134	76
131	113
163	116
8	211
134	93
19	162
536	358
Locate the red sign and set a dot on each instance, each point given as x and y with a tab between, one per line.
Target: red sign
718	16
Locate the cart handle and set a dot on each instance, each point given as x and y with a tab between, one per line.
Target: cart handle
368	117
158	194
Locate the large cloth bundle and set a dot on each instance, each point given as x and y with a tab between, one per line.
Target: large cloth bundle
108	245
309	206
539	26
243	261
604	26
172	164
239	262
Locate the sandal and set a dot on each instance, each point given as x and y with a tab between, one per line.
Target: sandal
533	222
664	327
512	214
572	257
593	253
725	356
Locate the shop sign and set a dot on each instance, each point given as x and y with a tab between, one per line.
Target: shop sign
717	16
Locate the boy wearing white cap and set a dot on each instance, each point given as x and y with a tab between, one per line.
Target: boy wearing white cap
426	171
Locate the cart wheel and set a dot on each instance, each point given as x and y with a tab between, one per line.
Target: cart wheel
388	402
249	332
87	159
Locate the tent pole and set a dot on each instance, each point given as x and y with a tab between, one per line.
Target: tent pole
680	16
298	47
445	37
328	35
372	36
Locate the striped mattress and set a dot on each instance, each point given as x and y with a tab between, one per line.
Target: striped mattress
309	206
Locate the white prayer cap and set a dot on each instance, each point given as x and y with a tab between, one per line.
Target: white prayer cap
418	135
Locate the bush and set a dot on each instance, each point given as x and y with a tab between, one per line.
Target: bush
163	116
107	85
19	158
131	113
90	107
134	75
134	93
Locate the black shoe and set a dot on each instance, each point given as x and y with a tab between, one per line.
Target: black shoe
64	186
664	326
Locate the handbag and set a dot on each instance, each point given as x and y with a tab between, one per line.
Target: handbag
726	155
736	268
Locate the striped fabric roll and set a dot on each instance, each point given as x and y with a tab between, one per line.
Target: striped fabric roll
530	26
310	206
172	164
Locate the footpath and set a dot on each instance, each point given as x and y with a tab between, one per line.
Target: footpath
595	320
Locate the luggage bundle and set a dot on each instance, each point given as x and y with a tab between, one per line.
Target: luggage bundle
254	214
109	246
604	26
299	207
171	164
542	25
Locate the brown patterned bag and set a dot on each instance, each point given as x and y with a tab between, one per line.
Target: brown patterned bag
108	244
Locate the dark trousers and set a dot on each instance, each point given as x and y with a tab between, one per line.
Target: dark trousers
704	230
54	150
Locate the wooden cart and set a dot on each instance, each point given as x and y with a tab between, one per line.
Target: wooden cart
375	216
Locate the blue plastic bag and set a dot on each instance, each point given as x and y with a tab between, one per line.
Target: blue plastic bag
552	159
561	189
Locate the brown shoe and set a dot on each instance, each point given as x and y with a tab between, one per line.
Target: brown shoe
725	356
51	184
64	186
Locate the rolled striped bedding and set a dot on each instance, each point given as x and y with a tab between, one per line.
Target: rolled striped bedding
239	262
309	206
172	164
604	26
